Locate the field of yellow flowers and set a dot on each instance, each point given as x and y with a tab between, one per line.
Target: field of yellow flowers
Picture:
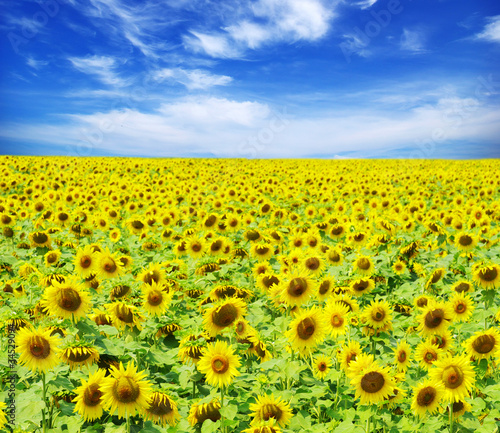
197	295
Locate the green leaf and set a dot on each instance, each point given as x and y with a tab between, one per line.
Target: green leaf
229	411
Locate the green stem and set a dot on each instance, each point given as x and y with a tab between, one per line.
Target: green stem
368	425
222	426
373	348
128	423
450	409
194	390
44	397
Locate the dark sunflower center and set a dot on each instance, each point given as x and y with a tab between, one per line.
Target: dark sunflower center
196	247
364	264
426	396
155	298
430	357
109	265
436	276
378	314
138	225
402	356
52	258
69	299
160	406
337	320
261	251
359	237
324	287
439	341
63	216
126	390
312	242
452	377
312	263
465	240
306	328
40	238
372	382
39	347
194	352
216	246
462	287
269	281
361	285
457	406
92	395
210	221
6	219
85	262
80	356
422	302
207	411
120	291
151	276
460	308
124	314
225	315
220	364
322	366
336	231
271	411
434	318
297	287
488	274
484	344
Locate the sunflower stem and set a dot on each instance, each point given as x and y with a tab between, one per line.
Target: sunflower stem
368	424
222	426
128	423
44	397
194	389
373	347
450	409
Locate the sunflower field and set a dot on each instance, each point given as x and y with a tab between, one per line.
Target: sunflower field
198	295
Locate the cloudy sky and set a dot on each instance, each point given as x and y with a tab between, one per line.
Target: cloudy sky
251	79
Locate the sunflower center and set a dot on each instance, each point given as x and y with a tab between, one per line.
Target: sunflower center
216	246
426	396
92	395
160	406
336	231
154	298
337	320
460	308
269	281
151	276
312	263
109	265
271	411
80	356
434	318
6	219
137	225
457	406
436	276
372	382
402	356
120	291
69	300
488	274
465	240
422	302
484	344
324	287
364	264
124	314
196	247
220	364
261	250
430	357
40	238
334	257
322	366
306	328
85	262
462	287
297	287
52	258
225	315
452	377
126	390
360	285
378	314
39	347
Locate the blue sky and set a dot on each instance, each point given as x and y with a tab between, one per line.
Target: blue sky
251	79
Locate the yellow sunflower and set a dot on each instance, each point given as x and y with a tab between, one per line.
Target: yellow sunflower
267	427
459	408
108	265
461	306
402	356
364	265
435	277
463	286
85	261
426	398
427	353
262	251
373	384
321	366
444	340
154	273
362	285
67	299
306	330
123	315
200	412
465	241
484	344
296	289
162	410
334	256
313	264
223	314
79	353
434	319
156	298
377	315
52	258
349	354
3	418
335	314
39	239
38	349
89	403
325	288
399	267
126	391
219	364
269	407
455	374
487	277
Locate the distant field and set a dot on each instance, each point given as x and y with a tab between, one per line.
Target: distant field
197	295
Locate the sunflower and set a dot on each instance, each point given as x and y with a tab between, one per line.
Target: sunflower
266	280
422	301
135	225
296	289
334	256
156	298
162	410
269	407
38	349
200	412
126	390
456	375
195	246
191	348
435	277
427	353
89	402
462	286
107	265
426	398
358	365
79	353
335	314
325	288
484	344
377	315
461	306
257	347
267	427
3	418
313	264
306	330
373	384
434	319
362	285
262	251
444	340
402	356
219	364
39	239
242	328
223	314
459	408
487	277
399	267
123	315
154	273
364	265
67	299
52	258
115	235
321	366
465	241
345	299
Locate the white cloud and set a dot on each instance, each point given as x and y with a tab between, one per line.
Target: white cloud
491	31
213	45
195	79
413	41
101	66
36	64
363	4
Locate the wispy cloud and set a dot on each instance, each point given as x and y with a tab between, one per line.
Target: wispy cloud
363	4
491	31
36	64
195	79
102	67
214	45
413	41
